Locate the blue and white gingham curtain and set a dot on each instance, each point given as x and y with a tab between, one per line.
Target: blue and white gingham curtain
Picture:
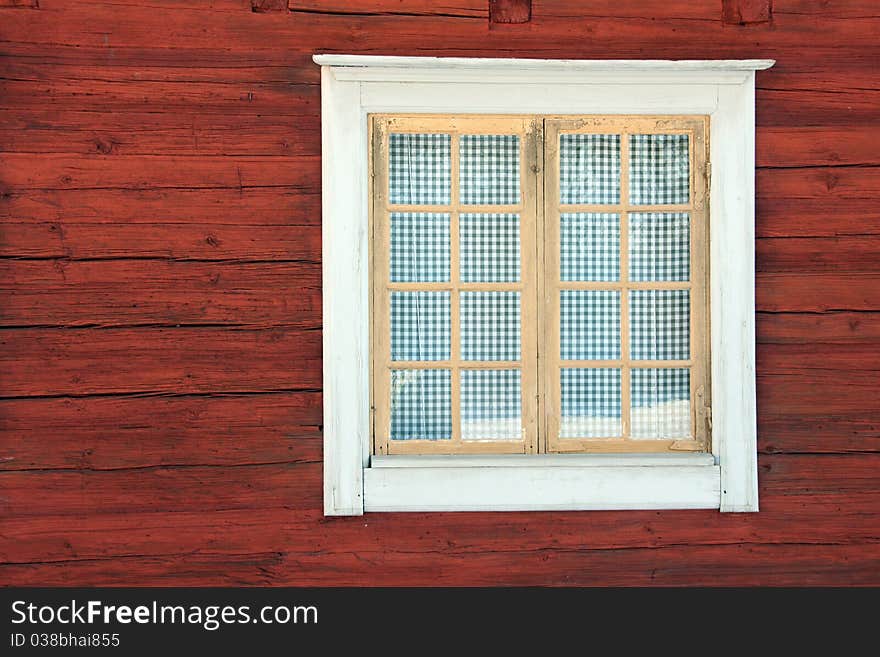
590	322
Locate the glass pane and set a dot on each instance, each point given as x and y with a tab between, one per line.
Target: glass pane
419	247
419	169
660	324
660	169
661	403
590	403
659	244
421	405
490	405
589	246
420	324
489	248
490	326
589	324
589	169
489	169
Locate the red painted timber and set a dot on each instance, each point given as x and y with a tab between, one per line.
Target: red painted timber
247	98
510	11
781	217
817	292
245	206
47	66
265	6
105	433
815	254
178	488
160	240
112	133
787	146
818	328
737	565
157	361
461	8
746	12
22	171
120	292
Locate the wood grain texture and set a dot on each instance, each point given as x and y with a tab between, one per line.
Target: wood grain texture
19	4
160	299
454	8
510	11
746	12
41	362
160	291
130	431
87	133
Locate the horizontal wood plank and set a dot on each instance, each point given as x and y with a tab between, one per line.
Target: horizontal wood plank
818	328
820	184
105	433
206	98
244	206
817	292
804	217
736	565
199	241
824	145
125	292
455	8
157	133
817	254
24	171
157	361
195	488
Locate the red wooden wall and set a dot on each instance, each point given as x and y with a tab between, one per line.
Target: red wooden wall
160	298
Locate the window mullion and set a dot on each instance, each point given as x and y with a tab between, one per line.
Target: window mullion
531	278
455	295
625	355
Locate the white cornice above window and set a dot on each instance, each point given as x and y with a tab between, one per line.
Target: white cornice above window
379	68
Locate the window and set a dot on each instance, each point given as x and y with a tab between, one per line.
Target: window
523	307
468	357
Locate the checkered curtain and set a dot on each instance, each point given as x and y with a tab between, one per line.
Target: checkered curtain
420	169
659	320
489	252
589	169
422	405
590	320
491	405
659	169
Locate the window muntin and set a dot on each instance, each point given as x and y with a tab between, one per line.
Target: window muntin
603	347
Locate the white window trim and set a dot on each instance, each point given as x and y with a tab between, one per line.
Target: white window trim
352	86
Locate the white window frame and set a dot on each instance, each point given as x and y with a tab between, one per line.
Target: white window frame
353	86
